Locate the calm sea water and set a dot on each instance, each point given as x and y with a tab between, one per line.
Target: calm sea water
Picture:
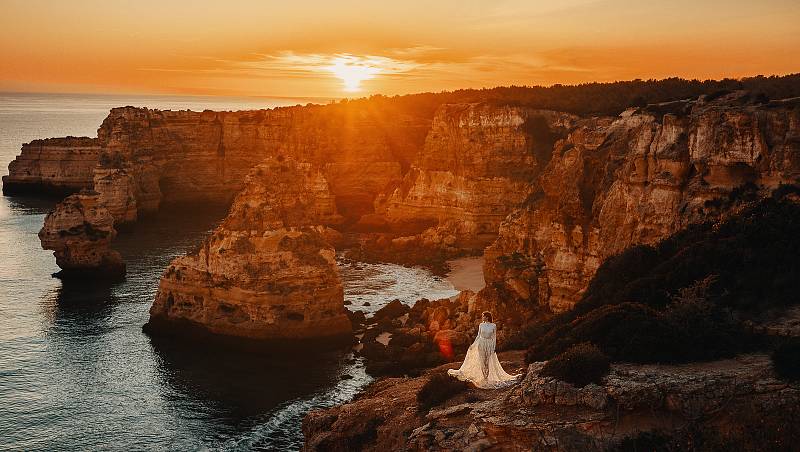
77	373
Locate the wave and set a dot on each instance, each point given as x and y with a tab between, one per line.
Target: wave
279	429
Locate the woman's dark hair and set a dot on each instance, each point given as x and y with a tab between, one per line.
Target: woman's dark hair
488	315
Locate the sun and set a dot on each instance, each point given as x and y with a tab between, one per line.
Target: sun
352	71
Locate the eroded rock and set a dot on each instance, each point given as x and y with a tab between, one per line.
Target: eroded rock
80	231
479	162
267	272
58	165
636	179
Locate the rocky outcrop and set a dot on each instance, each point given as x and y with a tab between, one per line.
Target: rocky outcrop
79	231
268	271
479	162
402	340
737	401
635	179
152	156
53	165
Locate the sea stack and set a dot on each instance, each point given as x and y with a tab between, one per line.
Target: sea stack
268	272
79	231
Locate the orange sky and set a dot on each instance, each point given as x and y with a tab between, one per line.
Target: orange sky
297	48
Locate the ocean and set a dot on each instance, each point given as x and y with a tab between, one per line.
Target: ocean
76	371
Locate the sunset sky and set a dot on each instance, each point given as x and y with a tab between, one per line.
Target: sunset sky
348	48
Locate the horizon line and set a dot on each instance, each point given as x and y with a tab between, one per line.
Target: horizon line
365	96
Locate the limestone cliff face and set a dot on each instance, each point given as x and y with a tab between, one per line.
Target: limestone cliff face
268	271
479	162
151	156
79	231
58	165
617	182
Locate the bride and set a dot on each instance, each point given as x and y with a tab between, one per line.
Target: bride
481	366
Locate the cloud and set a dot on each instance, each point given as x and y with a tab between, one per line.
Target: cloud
414	68
317	63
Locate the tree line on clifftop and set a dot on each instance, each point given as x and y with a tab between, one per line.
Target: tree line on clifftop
585	99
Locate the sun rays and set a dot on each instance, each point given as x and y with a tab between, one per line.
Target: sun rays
352	72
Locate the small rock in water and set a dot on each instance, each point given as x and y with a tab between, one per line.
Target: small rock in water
346	377
366	303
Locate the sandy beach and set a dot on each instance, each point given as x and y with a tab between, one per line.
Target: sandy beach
466	273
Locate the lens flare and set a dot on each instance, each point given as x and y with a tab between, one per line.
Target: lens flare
445	348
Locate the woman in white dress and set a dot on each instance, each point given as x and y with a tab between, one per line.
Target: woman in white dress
481	366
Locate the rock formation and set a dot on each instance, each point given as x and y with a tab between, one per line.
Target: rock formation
737	401
479	162
55	165
79	231
268	271
151	156
143	157
616	182
400	340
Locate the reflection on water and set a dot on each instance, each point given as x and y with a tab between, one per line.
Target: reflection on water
75	368
79	307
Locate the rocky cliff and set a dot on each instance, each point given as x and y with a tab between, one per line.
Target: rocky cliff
79	231
268	271
152	156
55	165
635	179
479	162
143	157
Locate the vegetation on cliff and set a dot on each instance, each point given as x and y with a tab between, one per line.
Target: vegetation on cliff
655	303
588	98
438	388
580	365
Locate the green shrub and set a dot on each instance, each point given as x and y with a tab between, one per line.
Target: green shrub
439	388
696	320
634	332
627	332
580	365
786	359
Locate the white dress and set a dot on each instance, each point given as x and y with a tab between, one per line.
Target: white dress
481	366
